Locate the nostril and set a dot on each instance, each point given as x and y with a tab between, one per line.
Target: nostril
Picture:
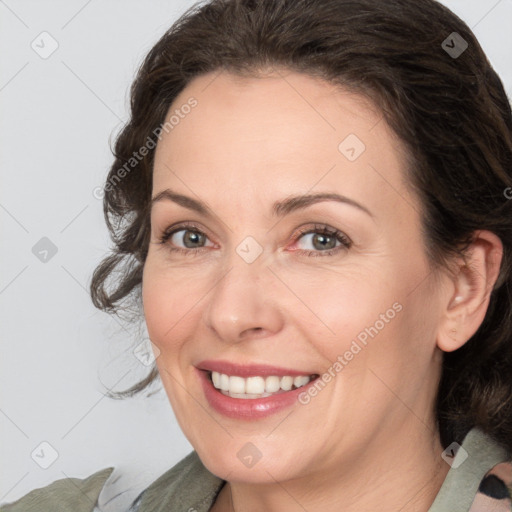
251	330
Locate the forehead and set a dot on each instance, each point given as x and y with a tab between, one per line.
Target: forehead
279	132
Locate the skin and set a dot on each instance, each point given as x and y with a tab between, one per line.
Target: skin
248	143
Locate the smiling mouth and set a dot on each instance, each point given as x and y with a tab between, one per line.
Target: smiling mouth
255	387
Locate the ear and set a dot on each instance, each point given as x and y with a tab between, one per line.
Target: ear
468	298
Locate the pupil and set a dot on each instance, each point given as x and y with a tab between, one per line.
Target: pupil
191	239
325	241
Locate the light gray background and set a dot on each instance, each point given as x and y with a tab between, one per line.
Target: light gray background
58	352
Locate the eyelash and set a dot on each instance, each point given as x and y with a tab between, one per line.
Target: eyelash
316	229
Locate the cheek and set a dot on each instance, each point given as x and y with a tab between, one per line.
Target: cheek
337	307
170	302
376	317
171	314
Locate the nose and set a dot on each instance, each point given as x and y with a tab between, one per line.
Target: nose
243	304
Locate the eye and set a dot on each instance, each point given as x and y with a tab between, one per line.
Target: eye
185	239
321	241
190	239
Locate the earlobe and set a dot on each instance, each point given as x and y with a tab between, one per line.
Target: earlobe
468	297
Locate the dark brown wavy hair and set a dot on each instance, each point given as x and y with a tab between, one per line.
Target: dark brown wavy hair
450	111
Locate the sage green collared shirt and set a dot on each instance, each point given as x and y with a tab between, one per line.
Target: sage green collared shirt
479	480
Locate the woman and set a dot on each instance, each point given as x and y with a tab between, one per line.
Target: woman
312	200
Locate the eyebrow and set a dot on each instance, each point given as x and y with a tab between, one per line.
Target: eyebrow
279	208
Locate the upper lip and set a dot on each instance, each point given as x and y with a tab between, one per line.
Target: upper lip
248	370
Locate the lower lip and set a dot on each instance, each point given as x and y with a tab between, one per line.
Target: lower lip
247	408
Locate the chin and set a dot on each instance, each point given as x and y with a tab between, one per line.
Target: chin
256	462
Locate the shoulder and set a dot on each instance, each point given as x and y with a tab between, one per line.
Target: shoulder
186	486
67	494
480	477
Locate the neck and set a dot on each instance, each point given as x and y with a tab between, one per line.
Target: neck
405	475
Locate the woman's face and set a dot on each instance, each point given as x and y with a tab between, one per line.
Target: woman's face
243	279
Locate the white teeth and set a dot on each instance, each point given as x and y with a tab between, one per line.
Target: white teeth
256	387
224	382
236	385
272	384
300	381
286	383
245	395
